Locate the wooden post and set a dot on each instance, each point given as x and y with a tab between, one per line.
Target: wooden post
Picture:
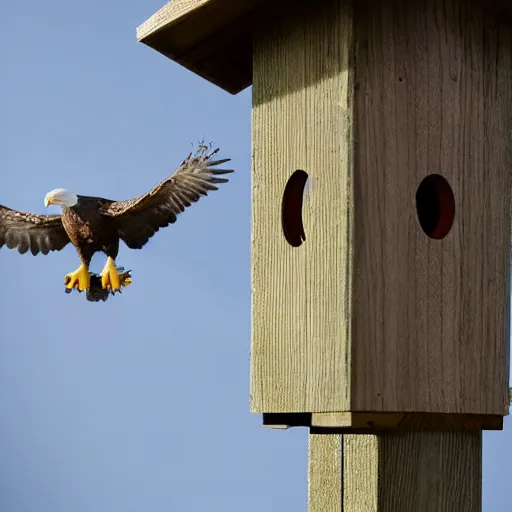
325	478
380	298
413	471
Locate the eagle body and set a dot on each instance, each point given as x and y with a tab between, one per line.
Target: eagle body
95	224
88	230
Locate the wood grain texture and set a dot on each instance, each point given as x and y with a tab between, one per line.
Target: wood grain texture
378	422
420	472
431	317
209	37
325	474
424	472
213	38
170	14
374	422
301	120
369	314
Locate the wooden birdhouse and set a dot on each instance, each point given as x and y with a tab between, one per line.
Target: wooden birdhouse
381	202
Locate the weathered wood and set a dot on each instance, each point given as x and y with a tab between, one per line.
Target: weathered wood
171	14
209	37
369	314
301	297
188	32
431	317
376	422
396	472
325	474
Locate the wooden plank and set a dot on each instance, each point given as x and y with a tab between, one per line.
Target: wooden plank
301	120
396	472
209	37
431	317
171	14
278	291
375	422
371	422
325	474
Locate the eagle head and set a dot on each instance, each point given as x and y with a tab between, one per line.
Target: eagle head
60	197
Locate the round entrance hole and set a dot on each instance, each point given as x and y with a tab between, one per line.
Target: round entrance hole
435	205
291	209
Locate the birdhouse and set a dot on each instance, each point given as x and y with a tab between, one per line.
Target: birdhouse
381	202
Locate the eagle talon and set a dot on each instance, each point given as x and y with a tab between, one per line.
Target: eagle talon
110	277
79	280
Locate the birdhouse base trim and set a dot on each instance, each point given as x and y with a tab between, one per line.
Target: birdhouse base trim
371	422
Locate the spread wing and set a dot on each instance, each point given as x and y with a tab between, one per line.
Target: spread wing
138	219
24	231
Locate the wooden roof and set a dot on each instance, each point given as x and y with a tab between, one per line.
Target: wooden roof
213	38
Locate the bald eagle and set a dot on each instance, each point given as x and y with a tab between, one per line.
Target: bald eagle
95	224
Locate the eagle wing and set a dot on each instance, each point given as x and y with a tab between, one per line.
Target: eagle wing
24	231
138	219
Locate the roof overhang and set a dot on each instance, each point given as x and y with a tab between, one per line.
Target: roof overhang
213	38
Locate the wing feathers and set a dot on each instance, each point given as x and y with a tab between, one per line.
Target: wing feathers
28	231
138	219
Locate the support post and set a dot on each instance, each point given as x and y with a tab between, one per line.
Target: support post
325	473
396	472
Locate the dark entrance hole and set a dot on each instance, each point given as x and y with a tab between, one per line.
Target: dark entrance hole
291	210
435	205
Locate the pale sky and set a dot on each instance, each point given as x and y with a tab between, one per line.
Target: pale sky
142	403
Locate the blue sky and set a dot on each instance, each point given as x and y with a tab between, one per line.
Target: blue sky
141	403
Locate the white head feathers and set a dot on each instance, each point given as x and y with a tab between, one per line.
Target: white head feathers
61	197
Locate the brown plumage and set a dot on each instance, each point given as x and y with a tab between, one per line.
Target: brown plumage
94	224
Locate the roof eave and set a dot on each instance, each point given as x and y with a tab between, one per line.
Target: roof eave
211	38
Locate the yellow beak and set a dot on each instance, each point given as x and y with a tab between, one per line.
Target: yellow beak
49	202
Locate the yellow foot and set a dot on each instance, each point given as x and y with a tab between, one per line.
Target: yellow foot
79	279
110	277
